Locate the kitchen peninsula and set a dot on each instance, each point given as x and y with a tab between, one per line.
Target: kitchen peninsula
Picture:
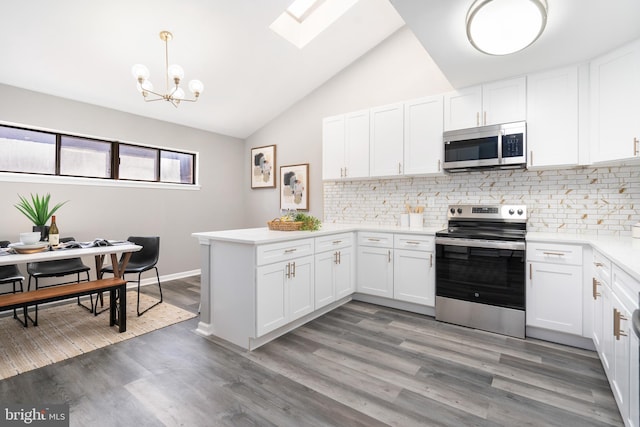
258	284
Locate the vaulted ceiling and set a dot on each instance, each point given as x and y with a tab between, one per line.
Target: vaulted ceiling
84	50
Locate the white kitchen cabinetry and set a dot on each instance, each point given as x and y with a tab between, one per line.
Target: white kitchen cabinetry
423	126
414	269
552	118
334	268
601	294
615	91
493	103
345	145
284	289
555	278
386	140
375	264
625	345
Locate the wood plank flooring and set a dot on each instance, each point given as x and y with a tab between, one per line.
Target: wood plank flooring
360	365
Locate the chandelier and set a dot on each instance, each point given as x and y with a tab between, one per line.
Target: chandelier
174	73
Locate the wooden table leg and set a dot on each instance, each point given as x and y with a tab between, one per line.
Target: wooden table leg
123	308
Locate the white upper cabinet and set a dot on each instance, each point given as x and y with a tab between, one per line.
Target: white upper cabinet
423	126
386	140
552	118
615	105
345	145
493	103
333	135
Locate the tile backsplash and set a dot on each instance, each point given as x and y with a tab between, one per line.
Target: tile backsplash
604	200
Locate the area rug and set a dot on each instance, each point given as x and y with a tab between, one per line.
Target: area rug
68	330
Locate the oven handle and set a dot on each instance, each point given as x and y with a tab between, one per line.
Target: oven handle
478	243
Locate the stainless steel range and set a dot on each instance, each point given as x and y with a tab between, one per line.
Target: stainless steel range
480	268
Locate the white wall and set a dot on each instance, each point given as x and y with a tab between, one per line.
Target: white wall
398	69
118	212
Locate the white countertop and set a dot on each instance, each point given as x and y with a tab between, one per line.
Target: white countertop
255	236
623	251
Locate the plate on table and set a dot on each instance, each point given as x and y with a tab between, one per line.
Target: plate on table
21	248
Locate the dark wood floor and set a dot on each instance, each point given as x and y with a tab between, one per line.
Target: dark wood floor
360	365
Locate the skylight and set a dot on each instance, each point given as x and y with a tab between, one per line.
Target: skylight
304	20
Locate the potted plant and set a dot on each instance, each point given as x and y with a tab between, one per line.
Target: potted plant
37	210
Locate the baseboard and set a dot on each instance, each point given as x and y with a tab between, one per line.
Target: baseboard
560	338
151	280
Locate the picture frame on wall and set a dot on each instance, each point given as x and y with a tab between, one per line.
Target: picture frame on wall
294	187
263	167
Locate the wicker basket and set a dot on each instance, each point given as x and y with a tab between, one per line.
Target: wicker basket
279	225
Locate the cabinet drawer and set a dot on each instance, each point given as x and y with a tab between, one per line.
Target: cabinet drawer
601	268
383	240
414	242
554	253
276	252
334	241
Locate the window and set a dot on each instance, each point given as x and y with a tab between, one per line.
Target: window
49	153
27	151
85	157
138	163
176	167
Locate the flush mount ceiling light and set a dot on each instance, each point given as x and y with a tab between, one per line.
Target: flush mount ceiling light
501	27
174	93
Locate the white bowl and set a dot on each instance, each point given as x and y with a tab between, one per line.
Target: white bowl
30	238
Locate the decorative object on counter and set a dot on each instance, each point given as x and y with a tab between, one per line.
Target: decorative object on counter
635	230
294	187
279	224
173	94
309	222
263	166
416	220
37	210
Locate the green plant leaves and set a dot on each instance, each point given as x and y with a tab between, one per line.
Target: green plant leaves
37	210
309	222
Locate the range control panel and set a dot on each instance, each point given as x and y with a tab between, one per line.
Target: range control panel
516	213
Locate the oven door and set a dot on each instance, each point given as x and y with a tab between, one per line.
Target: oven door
481	271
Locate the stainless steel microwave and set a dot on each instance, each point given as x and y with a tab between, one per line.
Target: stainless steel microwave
499	146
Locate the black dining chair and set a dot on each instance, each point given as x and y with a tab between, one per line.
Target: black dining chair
143	260
10	274
59	268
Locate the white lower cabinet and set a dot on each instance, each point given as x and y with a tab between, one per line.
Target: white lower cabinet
284	292
414	269
334	272
554	277
375	271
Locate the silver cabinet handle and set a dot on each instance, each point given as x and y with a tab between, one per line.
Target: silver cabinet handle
288	251
371	239
635	146
478	118
339	257
294	269
337	242
345	171
288	270
335	257
531	157
485	117
430	260
411	242
389	255
399	168
594	290
598	264
438	165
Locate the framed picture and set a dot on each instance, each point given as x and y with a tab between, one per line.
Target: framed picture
294	187
263	167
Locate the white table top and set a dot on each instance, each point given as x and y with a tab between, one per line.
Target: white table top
67	253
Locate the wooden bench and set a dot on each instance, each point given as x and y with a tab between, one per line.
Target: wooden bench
117	305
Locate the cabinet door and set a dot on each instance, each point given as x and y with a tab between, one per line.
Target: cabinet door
621	361
615	90
386	140
301	289
504	101
356	146
423	126
554	297
333	134
552	118
325	292
271	297
414	276
344	280
375	271
462	108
